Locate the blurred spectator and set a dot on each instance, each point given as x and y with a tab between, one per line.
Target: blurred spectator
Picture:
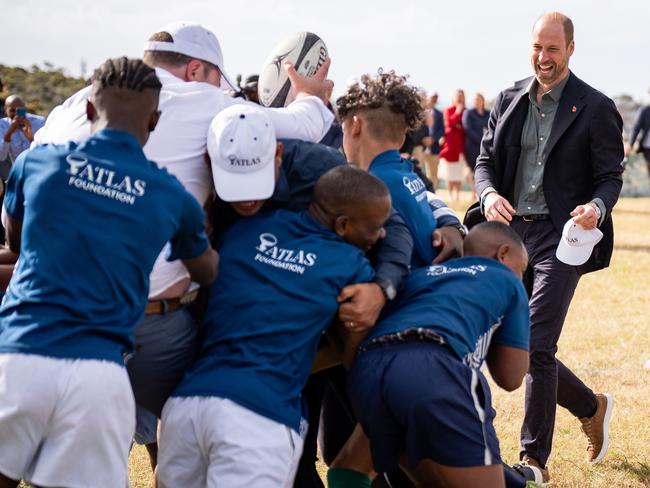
641	128
2	100
418	143
453	144
334	136
475	122
17	132
434	124
412	147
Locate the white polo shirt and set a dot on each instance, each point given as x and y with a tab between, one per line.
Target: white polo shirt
179	141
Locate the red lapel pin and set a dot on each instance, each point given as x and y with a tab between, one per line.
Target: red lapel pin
574	109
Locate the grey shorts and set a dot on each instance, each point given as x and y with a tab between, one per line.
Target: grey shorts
166	345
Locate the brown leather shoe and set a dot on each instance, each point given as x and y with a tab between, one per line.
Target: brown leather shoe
596	428
530	469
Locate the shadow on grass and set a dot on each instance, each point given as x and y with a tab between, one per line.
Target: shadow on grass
638	469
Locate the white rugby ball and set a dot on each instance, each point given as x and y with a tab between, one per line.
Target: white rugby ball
305	50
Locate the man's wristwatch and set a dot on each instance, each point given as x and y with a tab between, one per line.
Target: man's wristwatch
387	288
462	229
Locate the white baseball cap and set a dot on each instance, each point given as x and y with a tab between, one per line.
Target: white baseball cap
241	145
577	243
195	41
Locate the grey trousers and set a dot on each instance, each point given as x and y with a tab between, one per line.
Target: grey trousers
550	284
166	345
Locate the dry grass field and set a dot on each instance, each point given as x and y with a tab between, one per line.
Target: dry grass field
606	341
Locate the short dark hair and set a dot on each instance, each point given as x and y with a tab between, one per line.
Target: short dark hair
391	106
490	234
344	188
130	74
171	59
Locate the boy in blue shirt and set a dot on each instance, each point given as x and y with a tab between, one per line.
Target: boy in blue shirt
236	417
376	114
416	384
88	220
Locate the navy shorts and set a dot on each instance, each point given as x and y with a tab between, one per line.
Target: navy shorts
418	398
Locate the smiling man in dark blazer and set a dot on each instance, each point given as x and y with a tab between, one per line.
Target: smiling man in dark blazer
553	151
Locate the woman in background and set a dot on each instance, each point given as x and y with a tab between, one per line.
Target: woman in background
453	145
475	121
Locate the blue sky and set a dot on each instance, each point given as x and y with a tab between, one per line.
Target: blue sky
474	45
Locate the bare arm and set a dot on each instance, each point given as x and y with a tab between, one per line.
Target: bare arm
361	305
7	256
13	231
203	269
352	339
507	365
6	272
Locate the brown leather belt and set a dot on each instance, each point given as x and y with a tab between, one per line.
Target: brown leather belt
166	305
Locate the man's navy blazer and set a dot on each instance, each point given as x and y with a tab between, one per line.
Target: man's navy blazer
583	155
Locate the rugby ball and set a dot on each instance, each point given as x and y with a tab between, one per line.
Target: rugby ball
305	50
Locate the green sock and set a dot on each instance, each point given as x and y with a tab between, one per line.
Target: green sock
347	478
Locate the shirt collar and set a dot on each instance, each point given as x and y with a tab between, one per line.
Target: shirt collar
165	76
121	137
386	157
316	227
282	192
555	93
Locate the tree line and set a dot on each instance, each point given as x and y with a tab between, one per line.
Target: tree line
42	88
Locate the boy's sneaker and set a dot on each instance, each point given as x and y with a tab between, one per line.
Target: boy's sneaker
596	428
530	469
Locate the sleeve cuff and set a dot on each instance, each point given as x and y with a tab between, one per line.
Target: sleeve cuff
443	214
603	211
484	194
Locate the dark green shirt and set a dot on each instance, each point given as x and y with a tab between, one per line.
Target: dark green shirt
529	193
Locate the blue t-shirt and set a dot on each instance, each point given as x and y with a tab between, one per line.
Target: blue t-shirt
94	217
279	276
409	197
471	302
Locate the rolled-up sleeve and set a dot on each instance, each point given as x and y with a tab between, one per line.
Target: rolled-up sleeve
307	119
444	215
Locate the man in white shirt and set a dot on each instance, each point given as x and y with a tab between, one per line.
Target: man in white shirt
189	64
